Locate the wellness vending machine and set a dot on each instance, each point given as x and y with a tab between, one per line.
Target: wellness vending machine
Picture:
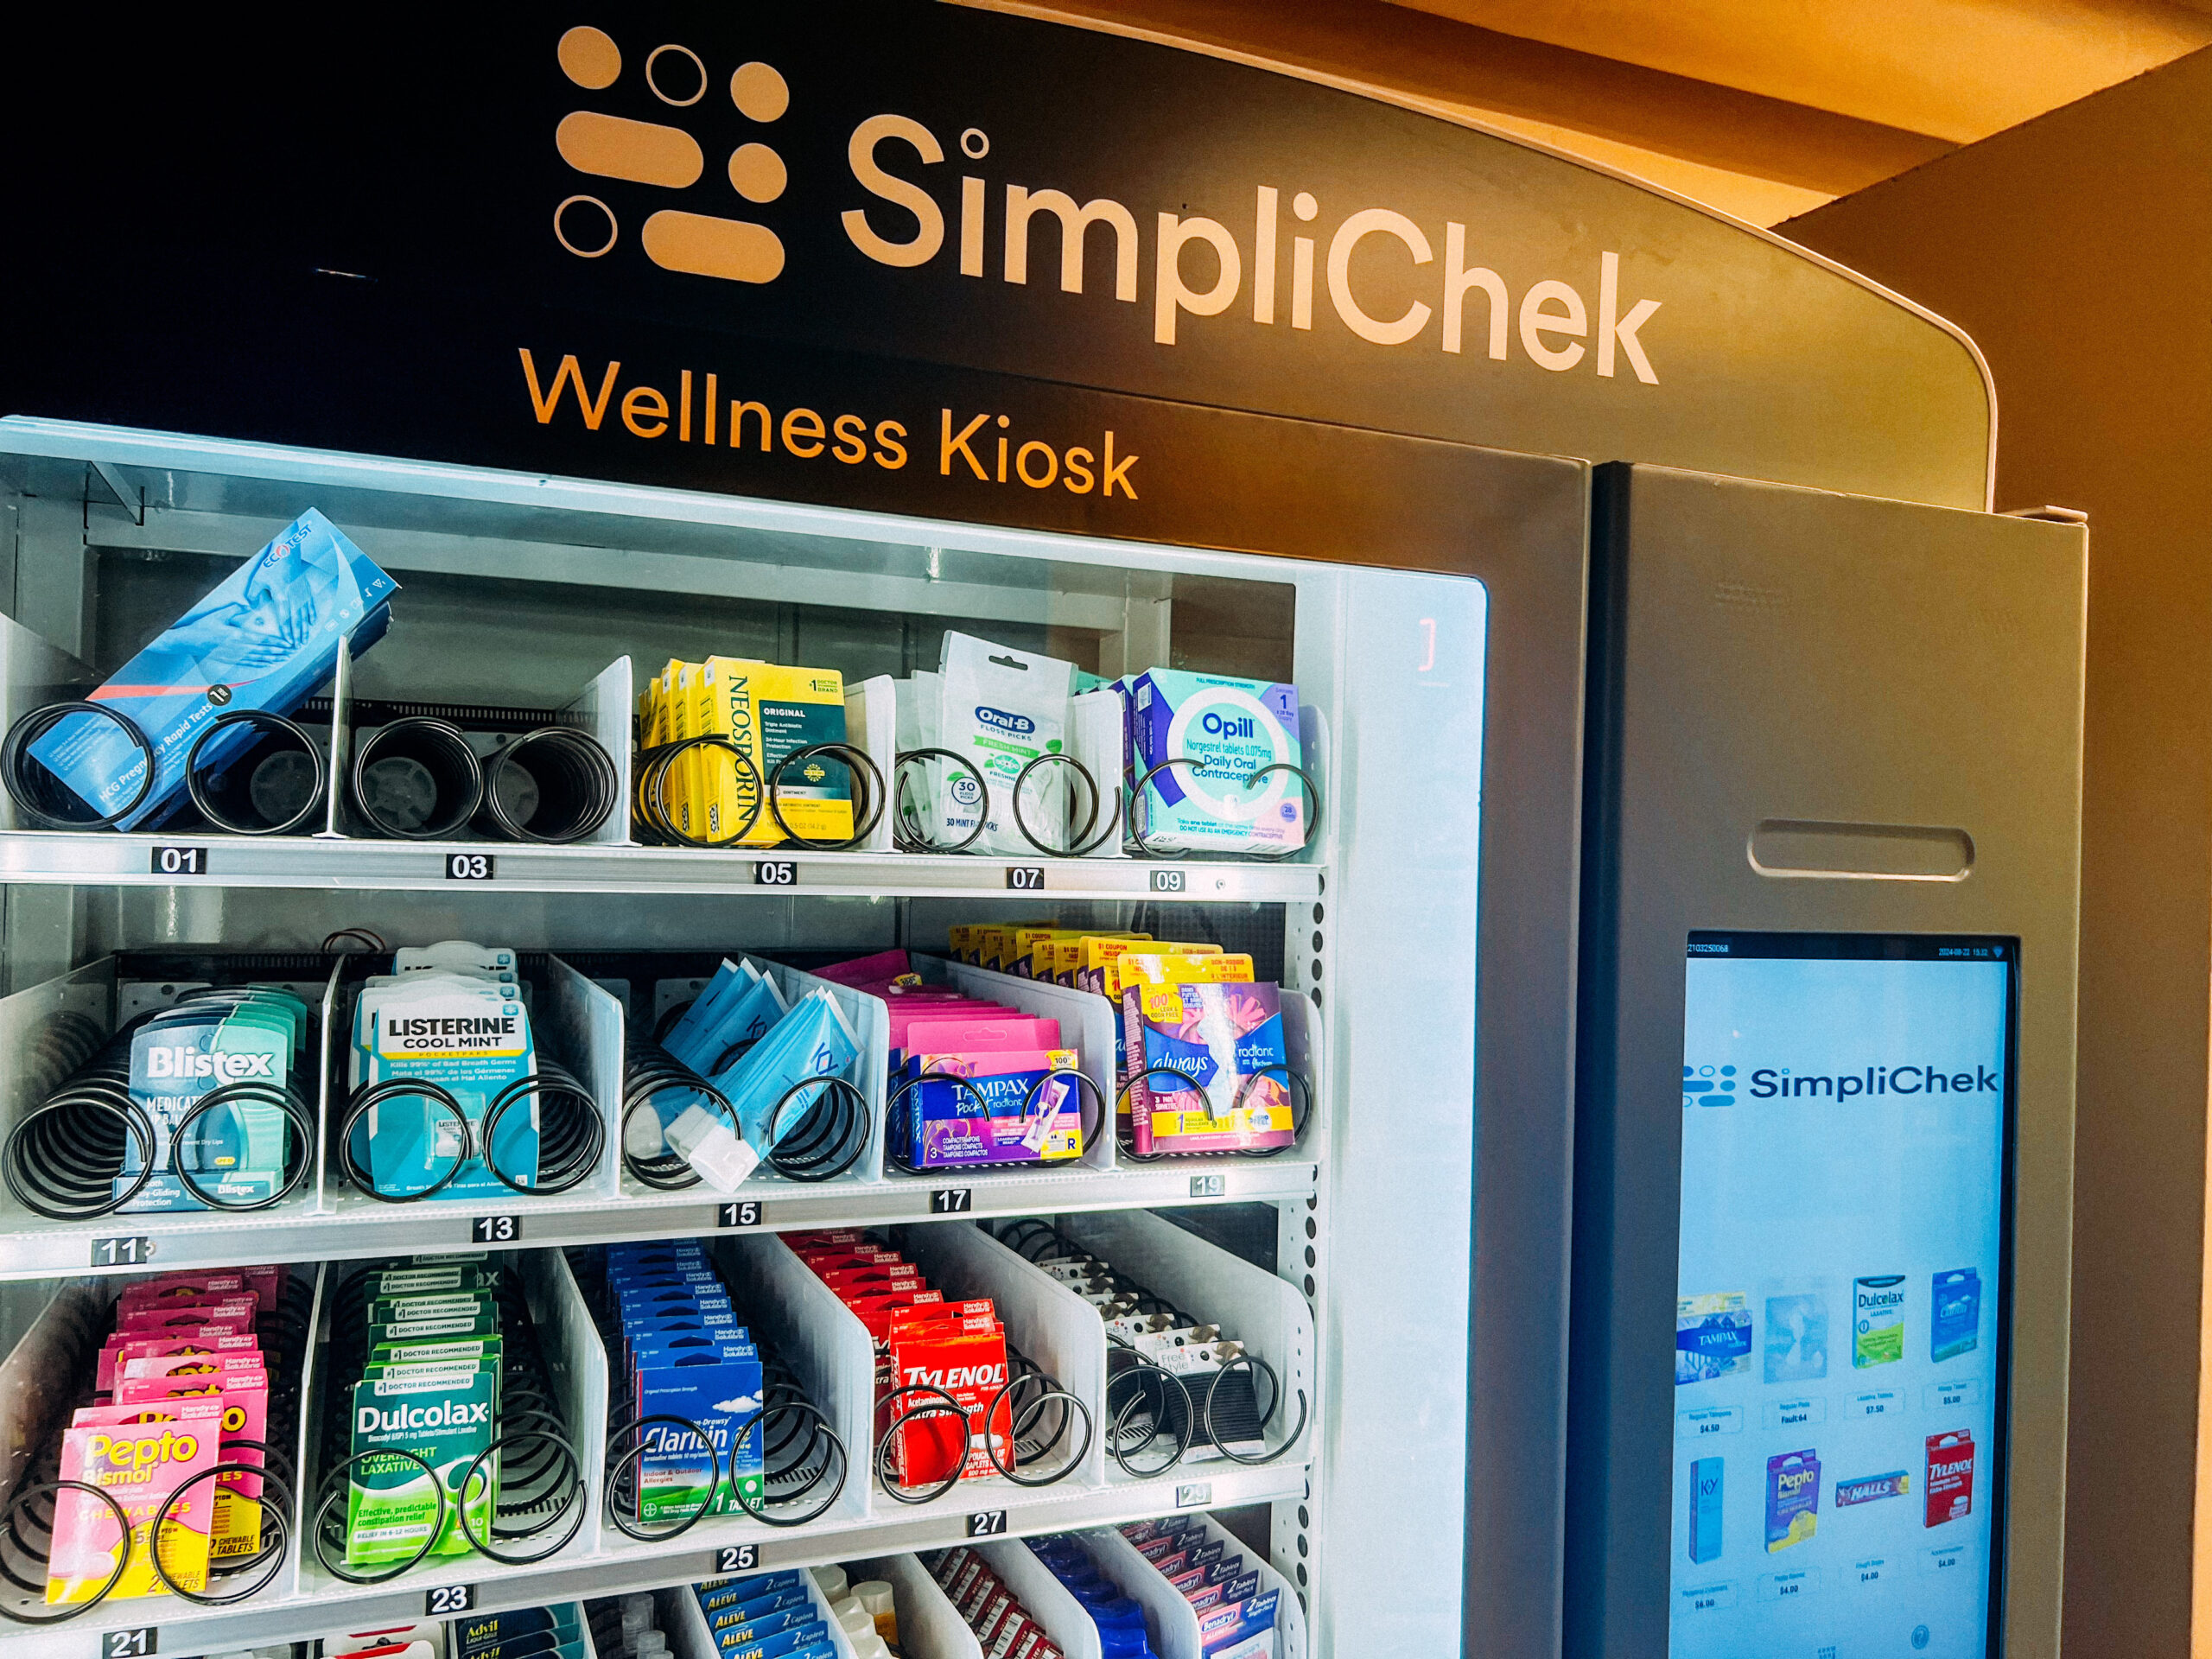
1820	1326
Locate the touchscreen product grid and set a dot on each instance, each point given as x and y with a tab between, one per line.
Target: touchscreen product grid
1836	1365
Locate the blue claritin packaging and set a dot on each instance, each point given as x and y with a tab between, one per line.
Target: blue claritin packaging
1232	733
266	637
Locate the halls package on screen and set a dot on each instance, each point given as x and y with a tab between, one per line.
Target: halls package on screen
1843	1214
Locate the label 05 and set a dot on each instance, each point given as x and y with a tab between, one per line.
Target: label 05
775	872
746	1213
469	867
122	1252
447	1599
495	1230
179	861
987	1524
737	1558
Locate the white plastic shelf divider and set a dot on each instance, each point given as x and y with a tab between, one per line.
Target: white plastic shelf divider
84	858
930	1627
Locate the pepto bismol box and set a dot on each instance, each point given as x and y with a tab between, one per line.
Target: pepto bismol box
1878	1320
1793	1498
1954	1314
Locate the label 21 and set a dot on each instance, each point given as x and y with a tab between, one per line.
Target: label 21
129	1644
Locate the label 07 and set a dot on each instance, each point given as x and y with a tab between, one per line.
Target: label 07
1025	878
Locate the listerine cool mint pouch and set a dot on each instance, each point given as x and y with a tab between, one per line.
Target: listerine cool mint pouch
469	1035
265	637
1227	731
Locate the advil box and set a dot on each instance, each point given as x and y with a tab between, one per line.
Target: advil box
1950	1477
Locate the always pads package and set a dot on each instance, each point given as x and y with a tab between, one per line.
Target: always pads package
468	1032
265	637
246	1041
999	709
1229	730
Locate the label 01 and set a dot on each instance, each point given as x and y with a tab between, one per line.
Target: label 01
179	861
495	1230
737	1558
987	1524
447	1599
122	1252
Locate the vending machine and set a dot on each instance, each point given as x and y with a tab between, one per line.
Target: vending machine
784	841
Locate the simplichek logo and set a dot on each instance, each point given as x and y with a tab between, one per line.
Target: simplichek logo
1708	1085
999	720
668	158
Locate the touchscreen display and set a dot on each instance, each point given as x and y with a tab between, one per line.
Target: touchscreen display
1841	1308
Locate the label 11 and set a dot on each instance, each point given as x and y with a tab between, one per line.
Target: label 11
448	1599
987	1524
737	1558
179	861
122	1252
495	1230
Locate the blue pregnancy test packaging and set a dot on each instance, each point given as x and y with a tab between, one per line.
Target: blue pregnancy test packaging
265	637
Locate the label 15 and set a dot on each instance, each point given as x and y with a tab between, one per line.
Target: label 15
448	1599
746	1213
469	867
987	1524
129	1644
495	1230
737	1558
179	861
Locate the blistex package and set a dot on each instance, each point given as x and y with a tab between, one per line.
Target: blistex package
1878	1320
248	1038
1793	1498
266	637
466	1031
446	1416
1712	1336
1230	731
999	709
1955	1323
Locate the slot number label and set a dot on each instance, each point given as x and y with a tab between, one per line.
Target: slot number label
1194	1495
1025	878
470	866
122	1252
1209	1186
746	1214
495	1230
775	872
736	1558
987	1524
178	861
1167	880
130	1644
447	1599
952	1201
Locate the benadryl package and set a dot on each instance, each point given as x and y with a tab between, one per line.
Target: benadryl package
265	637
1229	732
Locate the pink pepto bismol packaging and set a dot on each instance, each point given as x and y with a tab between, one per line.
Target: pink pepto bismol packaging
139	1455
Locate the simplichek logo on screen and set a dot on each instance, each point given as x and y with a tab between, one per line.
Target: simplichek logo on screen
1708	1085
1768	1083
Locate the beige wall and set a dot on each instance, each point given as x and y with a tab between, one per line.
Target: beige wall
2077	250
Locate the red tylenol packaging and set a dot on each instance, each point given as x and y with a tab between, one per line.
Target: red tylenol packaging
962	1356
1950	1477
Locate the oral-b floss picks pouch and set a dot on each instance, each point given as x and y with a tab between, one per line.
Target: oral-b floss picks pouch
922	804
1227	730
1001	708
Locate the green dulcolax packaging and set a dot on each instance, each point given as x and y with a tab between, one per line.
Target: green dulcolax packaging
445	1416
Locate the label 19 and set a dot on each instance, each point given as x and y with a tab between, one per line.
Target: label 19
987	1524
448	1599
775	872
179	861
737	1558
951	1200
495	1230
1209	1186
744	1214
1025	878
1167	880
122	1252
469	867
129	1644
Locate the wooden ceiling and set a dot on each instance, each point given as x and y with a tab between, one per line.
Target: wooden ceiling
1763	109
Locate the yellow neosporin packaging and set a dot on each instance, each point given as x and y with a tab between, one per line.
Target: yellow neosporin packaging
767	711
